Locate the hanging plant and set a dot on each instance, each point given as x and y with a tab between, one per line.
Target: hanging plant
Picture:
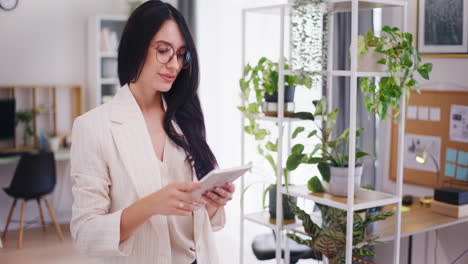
402	61
309	38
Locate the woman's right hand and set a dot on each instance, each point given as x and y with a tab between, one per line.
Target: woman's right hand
176	199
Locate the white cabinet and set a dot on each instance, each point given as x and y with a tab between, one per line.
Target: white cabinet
104	32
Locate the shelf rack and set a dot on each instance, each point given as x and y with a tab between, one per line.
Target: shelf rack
103	81
364	198
22	93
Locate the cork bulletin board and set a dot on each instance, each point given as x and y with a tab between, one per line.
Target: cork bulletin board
436	121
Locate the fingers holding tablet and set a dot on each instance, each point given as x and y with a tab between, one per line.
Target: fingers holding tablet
219	196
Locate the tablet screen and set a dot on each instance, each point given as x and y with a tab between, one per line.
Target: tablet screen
219	177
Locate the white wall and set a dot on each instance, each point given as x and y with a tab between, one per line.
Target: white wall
447	73
219	47
45	42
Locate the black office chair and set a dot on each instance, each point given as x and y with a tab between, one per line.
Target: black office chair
34	177
264	248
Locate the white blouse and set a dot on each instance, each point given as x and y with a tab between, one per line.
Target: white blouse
174	168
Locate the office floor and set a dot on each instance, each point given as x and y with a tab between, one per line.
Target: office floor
45	248
40	247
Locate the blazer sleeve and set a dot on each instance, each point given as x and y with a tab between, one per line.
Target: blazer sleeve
95	231
218	220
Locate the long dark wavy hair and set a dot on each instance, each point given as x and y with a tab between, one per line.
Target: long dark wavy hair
183	104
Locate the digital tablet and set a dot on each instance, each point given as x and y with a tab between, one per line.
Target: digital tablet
219	177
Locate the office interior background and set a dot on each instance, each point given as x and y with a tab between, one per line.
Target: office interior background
46	42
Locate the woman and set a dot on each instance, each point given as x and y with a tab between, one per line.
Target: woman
135	160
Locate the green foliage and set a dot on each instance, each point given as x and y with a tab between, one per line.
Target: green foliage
315	185
263	78
330	239
27	117
402	61
329	152
256	81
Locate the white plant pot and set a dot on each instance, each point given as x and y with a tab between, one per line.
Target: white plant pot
368	62
54	143
339	180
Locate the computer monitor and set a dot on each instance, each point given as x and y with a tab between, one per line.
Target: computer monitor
7	119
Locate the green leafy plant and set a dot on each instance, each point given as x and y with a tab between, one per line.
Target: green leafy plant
402	61
26	117
328	152
256	81
330	239
260	79
263	78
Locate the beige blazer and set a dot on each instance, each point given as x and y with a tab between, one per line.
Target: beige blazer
112	166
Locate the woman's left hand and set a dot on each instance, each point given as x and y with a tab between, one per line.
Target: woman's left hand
219	196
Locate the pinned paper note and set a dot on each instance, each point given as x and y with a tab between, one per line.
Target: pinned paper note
462	173
459	123
451	155
449	170
463	158
412	112
434	113
423	113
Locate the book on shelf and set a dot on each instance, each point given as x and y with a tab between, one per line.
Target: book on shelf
109	40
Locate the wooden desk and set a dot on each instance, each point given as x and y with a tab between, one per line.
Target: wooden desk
61	154
418	220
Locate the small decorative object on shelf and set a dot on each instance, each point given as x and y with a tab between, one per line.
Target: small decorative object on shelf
333	160
54	143
401	60
104	35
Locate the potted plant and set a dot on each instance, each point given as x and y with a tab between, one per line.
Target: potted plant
330	155
266	148
26	117
259	90
330	238
262	80
401	60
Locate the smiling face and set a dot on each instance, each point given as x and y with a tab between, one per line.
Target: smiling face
157	76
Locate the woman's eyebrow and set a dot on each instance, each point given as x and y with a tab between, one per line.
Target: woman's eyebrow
169	43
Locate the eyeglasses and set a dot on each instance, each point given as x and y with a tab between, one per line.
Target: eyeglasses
165	52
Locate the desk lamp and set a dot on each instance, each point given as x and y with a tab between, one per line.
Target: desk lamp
421	157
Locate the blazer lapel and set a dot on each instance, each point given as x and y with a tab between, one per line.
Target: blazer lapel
134	145
133	142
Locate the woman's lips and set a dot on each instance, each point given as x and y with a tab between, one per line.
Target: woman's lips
167	77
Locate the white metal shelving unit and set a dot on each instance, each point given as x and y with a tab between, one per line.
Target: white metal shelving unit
103	83
364	198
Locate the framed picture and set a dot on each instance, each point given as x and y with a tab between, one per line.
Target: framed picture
442	28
